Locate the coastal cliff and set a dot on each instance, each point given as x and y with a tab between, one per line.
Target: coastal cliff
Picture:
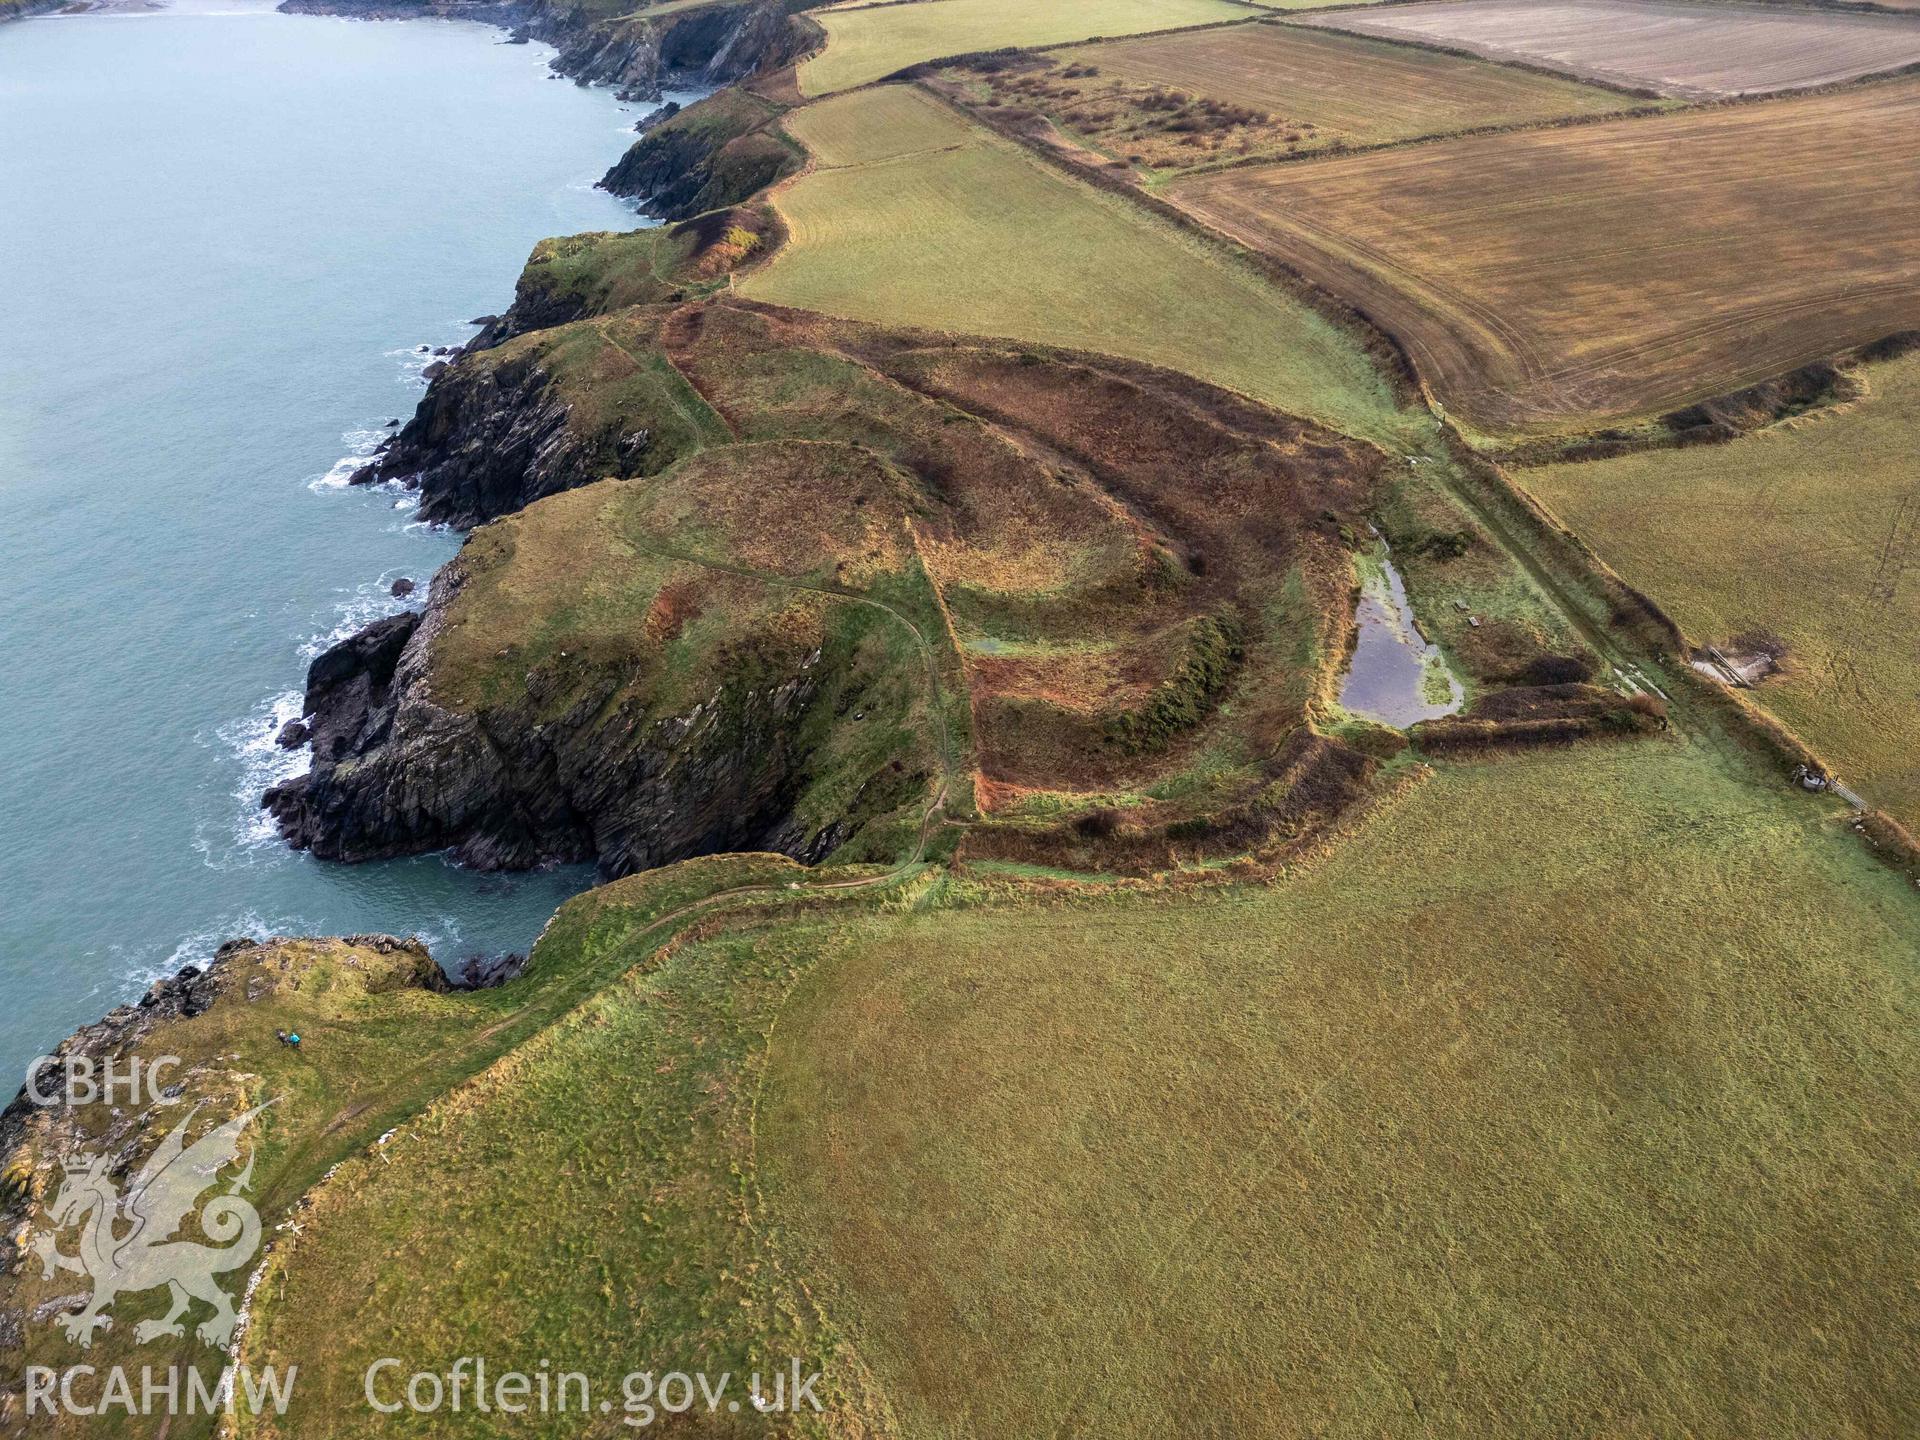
563	699
510	426
719	152
741	551
21	9
569	386
641	54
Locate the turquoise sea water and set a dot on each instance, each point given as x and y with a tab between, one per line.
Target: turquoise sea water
223	234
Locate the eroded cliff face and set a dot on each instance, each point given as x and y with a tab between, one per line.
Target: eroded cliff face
688	49
490	439
576	764
680	50
718	152
569	387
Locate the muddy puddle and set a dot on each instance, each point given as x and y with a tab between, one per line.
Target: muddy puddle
1396	676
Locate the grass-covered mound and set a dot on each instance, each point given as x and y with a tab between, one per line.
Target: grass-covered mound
1138	586
1122	571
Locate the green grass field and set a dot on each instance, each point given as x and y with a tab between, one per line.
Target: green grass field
866	43
1396	1147
580	1202
1809	530
964	232
1391	1146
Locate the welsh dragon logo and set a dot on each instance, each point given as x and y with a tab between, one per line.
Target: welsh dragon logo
127	1242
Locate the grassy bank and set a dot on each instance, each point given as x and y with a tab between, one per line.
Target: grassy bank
1397	1147
1330	1156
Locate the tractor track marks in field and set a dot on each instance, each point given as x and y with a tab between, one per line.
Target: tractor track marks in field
1566	278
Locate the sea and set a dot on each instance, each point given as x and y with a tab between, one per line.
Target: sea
230	241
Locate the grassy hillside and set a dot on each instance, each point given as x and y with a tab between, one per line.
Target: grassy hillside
582	1202
1330	1156
915	216
1397	1147
1140	584
866	42
1808	532
381	1040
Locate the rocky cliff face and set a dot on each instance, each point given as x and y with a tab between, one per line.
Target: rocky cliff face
686	49
21	9
571	769
489	439
716	153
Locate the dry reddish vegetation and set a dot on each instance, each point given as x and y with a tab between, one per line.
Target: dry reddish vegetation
1555	279
1108	541
1698	51
1153	123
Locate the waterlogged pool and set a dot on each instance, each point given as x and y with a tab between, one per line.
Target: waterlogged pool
1397	676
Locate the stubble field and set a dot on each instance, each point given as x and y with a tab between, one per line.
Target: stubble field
1168	104
1560	279
1351	90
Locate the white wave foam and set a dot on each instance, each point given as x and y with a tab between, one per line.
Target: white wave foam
413	361
362	443
138	971
359	608
260	763
252	740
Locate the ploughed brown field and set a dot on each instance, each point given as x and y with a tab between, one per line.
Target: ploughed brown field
1559	279
1699	51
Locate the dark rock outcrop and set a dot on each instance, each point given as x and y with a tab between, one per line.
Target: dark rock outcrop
348	686
488	972
491	438
654	117
569	771
707	46
713	154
